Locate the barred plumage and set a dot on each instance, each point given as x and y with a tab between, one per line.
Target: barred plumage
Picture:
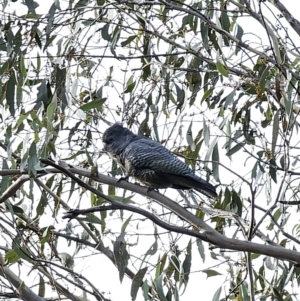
150	162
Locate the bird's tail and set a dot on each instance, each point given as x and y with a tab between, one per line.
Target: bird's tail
208	190
192	181
204	187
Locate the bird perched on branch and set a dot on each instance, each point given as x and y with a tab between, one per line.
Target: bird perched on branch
150	162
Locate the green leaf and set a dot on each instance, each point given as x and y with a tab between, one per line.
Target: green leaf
235	149
17	209
130	85
41	206
5	180
217	294
130	88
49	41
124	226
225	22
121	255
210	149
146	70
81	4
159	288
115	39
211	273
22	66
244	289
273	170
10	95
276	217
137	282
187	263
31	6
189	138
32	160
128	40
50	111
146	289
204	35
152	250
38	63
20	251
254	171
11	256
237	202
36	36
46	234
104	32
221	68
287	105
239	33
20	120
206	133
92	218
95	104
42	95
207	94
201	249
215	163
36	119
255	255
229	99
275	132
263	78
180	96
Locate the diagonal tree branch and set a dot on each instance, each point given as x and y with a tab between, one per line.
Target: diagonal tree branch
295	24
205	233
25	293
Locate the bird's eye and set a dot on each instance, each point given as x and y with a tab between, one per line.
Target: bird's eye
109	140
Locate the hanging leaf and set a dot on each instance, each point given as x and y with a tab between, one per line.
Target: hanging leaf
215	163
189	138
275	132
217	294
137	282
273	170
187	263
159	287
221	68
124	226
10	95
211	273
201	249
121	255
95	104
235	149
128	40
207	94
206	133
33	159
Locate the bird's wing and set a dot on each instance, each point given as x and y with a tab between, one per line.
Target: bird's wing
149	154
156	164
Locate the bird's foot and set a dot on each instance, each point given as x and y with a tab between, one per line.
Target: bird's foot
150	188
123	179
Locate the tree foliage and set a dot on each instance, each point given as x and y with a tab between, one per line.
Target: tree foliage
216	82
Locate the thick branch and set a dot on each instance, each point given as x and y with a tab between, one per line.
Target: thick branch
207	234
295	24
12	189
24	291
